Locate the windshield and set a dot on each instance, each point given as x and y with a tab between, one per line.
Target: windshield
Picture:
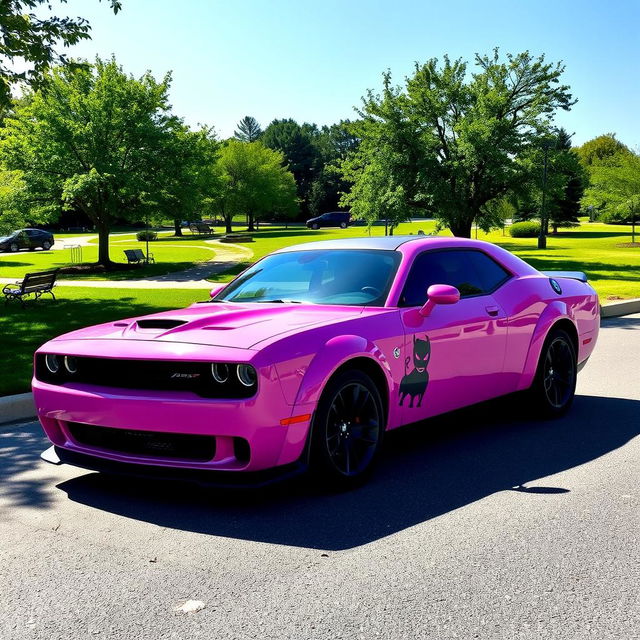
333	277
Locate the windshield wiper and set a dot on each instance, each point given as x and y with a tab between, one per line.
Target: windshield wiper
280	300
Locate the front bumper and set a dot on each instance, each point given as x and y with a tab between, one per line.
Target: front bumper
255	420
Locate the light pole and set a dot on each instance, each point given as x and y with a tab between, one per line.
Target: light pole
542	235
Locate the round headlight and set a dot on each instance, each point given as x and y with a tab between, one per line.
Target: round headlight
53	362
247	375
220	372
71	364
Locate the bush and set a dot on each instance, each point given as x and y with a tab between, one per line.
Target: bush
146	235
618	217
524	229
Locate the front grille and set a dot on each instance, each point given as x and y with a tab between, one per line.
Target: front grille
157	375
145	443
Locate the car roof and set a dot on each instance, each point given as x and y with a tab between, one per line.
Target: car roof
380	243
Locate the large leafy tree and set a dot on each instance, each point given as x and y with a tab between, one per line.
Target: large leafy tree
96	141
454	138
297	144
615	188
251	179
333	144
248	130
29	42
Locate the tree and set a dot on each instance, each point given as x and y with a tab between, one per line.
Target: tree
599	149
615	188
182	185
251	179
12	196
29	40
248	130
96	140
296	142
455	139
333	144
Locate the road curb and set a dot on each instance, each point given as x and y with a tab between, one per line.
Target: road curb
18	407
624	308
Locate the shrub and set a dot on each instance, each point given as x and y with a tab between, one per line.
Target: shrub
146	235
618	217
524	229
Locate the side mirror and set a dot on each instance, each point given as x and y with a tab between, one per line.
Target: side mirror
439	294
216	290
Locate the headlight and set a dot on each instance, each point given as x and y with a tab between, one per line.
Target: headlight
53	362
220	372
71	364
247	375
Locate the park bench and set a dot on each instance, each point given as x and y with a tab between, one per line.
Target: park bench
136	256
32	284
200	229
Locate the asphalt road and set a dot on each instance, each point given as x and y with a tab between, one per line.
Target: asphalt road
480	525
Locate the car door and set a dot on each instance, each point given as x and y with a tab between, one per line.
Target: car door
455	356
32	239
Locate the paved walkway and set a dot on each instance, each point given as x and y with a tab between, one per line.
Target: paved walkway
226	257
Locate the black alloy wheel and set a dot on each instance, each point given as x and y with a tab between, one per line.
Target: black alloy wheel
46	245
315	226
555	384
343	225
13	247
348	430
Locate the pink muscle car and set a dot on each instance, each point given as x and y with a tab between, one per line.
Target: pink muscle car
310	355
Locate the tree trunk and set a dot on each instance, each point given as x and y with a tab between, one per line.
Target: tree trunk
178	227
555	228
250	225
103	245
462	228
227	223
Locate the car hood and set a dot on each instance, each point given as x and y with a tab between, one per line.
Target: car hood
218	324
5	238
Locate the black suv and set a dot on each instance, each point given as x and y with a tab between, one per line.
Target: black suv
27	239
340	219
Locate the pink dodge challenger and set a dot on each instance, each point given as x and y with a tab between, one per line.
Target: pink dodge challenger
310	355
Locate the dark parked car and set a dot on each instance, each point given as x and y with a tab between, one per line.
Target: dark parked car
27	239
333	219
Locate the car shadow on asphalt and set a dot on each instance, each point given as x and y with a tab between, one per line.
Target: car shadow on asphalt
427	470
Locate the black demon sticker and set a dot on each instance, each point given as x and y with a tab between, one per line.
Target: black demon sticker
414	383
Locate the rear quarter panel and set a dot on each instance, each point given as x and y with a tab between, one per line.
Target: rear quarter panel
533	307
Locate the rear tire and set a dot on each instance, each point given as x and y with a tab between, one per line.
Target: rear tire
348	430
46	245
554	386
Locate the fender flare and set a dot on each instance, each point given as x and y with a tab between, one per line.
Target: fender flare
335	353
555	311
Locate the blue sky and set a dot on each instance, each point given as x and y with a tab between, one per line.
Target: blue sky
312	61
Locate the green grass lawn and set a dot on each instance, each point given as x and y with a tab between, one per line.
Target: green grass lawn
24	330
593	248
169	256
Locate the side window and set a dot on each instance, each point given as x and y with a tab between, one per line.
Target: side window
471	272
491	274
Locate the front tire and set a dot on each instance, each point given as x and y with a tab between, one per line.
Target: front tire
348	430
315	226
13	247
554	386
343	225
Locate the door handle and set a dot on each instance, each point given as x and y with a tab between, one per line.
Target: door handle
492	311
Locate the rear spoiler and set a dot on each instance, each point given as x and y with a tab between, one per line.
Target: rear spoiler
574	275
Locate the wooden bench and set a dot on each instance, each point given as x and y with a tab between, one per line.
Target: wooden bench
136	256
32	283
200	229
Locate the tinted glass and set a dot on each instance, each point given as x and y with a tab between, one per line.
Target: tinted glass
333	277
471	272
